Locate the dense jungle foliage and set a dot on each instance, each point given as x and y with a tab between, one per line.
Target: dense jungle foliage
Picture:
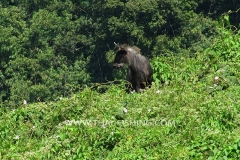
50	49
60	98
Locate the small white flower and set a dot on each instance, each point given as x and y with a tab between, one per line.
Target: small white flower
149	110
17	137
125	110
24	101
57	136
68	122
103	126
216	78
60	98
158	92
33	127
112	133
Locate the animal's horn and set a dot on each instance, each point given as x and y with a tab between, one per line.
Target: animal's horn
116	44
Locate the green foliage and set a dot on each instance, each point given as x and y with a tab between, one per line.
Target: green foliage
56	47
226	47
220	59
181	120
40	57
215	9
50	50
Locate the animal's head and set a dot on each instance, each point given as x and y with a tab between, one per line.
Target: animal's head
121	57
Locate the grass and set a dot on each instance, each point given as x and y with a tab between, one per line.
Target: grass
192	111
182	120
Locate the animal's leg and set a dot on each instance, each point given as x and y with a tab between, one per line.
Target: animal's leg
137	86
129	85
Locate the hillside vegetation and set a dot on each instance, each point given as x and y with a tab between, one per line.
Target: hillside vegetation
61	100
50	49
194	114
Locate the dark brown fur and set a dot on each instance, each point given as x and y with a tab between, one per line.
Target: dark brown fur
139	72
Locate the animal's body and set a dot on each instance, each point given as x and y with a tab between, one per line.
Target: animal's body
139	69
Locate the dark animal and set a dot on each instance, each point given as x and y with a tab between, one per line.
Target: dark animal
139	72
